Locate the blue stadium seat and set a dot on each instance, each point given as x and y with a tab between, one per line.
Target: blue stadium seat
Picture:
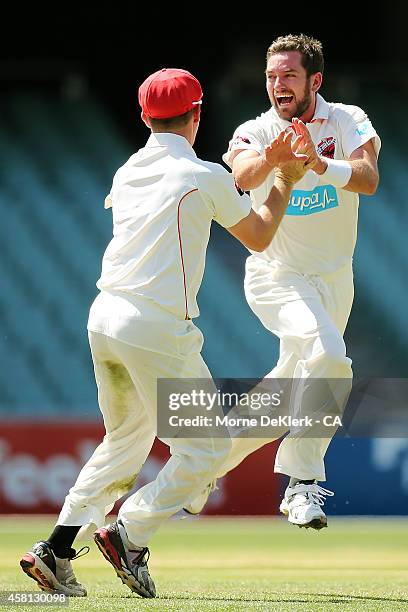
58	158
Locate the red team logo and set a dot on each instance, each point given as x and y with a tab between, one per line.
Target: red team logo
326	147
239	139
238	188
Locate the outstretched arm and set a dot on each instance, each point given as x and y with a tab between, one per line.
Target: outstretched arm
257	230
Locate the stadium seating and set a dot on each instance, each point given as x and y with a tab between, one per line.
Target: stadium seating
54	177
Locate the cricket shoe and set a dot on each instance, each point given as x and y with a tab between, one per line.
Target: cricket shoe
51	573
198	503
129	561
303	503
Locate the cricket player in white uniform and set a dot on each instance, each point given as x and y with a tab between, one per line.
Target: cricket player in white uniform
301	286
163	202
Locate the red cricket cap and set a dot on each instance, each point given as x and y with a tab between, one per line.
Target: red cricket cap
169	92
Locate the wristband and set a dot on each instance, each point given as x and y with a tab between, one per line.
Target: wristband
338	172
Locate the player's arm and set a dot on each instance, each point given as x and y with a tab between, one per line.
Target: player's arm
257	230
359	173
251	169
364	176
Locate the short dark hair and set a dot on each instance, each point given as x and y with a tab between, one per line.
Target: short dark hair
172	122
310	49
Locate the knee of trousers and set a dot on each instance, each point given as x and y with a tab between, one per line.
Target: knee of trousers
331	360
208	456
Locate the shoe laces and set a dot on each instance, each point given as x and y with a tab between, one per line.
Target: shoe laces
65	573
319	494
77	555
133	555
313	492
141	557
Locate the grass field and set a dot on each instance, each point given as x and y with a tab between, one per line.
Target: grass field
239	564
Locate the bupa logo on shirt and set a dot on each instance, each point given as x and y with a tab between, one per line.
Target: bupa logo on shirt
321	198
363	128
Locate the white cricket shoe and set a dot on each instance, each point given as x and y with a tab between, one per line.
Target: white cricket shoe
303	503
198	503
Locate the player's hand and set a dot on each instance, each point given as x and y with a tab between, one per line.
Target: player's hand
304	144
282	150
291	172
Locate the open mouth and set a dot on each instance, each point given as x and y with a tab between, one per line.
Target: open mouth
284	100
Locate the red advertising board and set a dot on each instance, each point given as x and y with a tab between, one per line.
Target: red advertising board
39	462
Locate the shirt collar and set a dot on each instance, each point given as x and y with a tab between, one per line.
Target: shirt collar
321	111
173	141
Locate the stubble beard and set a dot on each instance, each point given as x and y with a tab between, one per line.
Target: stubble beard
301	106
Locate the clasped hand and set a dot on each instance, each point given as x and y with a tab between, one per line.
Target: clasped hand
293	152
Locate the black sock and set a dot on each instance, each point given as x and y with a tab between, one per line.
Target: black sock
294	481
61	540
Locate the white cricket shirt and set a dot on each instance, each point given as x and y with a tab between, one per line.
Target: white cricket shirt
163	202
319	230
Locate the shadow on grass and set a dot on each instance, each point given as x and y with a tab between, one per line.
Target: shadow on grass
312	598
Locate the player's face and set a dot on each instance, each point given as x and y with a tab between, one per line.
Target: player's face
290	91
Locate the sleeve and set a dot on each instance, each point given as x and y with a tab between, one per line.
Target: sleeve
357	129
249	136
110	197
228	203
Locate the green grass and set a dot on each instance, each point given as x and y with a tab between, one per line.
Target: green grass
240	564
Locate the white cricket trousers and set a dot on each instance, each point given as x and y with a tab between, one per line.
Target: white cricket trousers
309	314
126	378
